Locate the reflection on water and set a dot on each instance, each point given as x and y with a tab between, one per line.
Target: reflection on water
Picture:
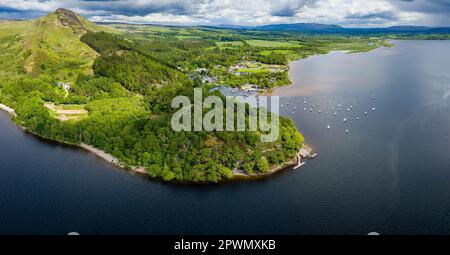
401	151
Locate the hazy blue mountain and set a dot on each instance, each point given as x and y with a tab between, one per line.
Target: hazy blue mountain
315	28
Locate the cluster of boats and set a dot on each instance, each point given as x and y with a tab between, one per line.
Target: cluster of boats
334	110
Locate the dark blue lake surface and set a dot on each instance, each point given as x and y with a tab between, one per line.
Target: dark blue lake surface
390	173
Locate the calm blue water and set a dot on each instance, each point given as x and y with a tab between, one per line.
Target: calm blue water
390	173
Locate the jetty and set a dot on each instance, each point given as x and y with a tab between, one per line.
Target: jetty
299	162
313	155
304	153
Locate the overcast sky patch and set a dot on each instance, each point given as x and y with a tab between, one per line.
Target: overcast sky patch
351	13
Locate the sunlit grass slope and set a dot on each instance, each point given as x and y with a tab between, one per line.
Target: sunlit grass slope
49	45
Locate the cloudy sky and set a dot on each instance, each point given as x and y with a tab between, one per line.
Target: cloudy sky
349	13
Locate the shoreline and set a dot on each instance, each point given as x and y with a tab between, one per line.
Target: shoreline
239	175
89	148
8	110
110	158
236	176
274	170
101	154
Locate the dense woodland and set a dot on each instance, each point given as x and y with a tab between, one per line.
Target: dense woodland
128	128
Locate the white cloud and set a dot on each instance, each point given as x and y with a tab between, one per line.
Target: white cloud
154	18
248	12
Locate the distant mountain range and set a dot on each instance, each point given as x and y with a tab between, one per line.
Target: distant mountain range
315	28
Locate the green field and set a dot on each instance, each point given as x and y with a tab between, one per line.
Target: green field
140	28
255	67
355	46
67	112
70	107
289	54
273	44
229	44
252	70
187	37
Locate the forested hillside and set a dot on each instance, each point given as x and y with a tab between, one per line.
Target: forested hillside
76	82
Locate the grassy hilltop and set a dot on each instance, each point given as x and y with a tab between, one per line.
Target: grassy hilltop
49	45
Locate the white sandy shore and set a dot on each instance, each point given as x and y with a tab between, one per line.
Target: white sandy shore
102	154
8	109
110	158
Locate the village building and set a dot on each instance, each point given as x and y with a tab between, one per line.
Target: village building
64	85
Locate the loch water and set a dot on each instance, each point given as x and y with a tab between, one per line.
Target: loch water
390	173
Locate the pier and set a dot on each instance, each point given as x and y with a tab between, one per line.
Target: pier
304	153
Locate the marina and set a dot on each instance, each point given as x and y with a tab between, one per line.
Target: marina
352	111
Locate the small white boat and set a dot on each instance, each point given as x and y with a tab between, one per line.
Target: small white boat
295	108
328	126
373	109
304	109
357	118
365	113
344	120
320	111
351	106
346	131
339	105
348	109
311	110
335	113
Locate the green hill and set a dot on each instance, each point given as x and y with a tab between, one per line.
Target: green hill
48	45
